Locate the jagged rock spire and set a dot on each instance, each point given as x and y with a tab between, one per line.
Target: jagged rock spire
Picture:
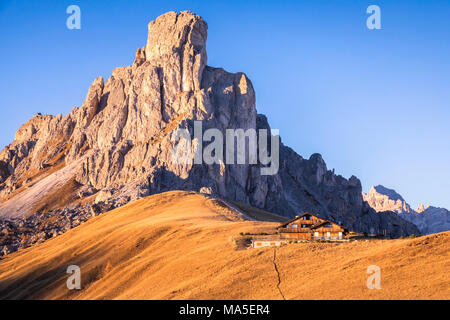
177	42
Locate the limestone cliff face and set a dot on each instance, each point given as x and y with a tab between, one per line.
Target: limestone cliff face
428	220
120	141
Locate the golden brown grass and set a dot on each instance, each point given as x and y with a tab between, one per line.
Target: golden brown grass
178	245
258	214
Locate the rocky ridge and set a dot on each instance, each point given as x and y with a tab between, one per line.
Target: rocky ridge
428	219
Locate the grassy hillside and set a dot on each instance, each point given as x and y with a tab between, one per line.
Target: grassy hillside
180	245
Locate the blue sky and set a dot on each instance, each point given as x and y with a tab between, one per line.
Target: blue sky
374	103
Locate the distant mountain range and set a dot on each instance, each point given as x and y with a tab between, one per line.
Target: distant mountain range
428	219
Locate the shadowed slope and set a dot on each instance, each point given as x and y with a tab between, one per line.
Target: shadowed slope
178	245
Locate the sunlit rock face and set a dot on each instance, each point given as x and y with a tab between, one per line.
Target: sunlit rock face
428	220
383	199
120	141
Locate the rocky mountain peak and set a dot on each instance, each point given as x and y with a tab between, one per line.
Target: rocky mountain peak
391	193
178	41
428	219
384	199
422	208
118	146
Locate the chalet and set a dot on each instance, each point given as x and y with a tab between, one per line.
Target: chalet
310	227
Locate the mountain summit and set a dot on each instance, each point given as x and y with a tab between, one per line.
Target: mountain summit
384	199
117	147
428	220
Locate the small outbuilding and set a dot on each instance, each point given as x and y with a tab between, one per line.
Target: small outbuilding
260	243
